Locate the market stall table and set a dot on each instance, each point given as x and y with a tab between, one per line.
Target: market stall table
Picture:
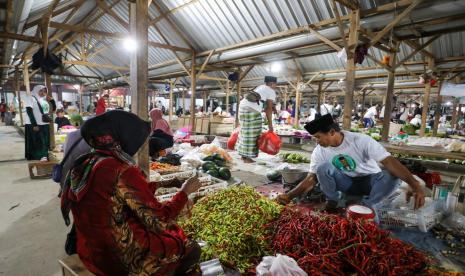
434	152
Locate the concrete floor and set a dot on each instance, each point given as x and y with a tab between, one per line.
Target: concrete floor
32	232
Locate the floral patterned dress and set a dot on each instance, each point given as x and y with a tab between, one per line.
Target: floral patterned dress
121	228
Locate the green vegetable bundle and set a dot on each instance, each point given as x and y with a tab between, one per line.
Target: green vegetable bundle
232	223
294	158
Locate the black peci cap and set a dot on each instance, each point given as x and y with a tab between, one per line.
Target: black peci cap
319	124
271	79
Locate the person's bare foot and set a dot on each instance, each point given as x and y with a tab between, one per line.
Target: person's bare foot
247	160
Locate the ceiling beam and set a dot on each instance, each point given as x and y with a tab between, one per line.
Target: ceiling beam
339	23
103	5
413	44
45	24
20	37
351	4
165	14
394	22
181	34
417	50
170	47
96	65
55	13
325	40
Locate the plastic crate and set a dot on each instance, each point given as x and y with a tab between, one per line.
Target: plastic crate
216	185
424	218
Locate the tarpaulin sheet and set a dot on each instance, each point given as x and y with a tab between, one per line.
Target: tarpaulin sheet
451	89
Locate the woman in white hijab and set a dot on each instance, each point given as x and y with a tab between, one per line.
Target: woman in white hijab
37	122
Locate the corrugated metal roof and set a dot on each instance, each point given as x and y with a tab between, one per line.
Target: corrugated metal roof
210	24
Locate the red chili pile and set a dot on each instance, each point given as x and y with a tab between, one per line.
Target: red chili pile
331	245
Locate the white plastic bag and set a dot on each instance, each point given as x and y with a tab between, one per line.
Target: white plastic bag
279	265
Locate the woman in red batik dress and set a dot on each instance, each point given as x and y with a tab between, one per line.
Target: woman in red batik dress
121	228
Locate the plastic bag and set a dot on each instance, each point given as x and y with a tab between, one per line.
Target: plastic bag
233	138
269	143
279	265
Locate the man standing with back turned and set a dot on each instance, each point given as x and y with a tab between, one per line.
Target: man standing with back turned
250	118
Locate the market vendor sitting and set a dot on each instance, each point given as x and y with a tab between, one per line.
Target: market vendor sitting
347	162
121	228
161	137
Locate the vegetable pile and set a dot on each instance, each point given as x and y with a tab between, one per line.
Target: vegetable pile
294	158
331	245
163	167
215	166
232	223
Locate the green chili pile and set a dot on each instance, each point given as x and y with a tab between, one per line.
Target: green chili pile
331	245
232	223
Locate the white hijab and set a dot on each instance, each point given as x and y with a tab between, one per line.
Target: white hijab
35	93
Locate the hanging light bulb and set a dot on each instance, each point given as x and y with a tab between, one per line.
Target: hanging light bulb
130	44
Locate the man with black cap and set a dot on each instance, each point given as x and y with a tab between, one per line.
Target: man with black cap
346	162
250	117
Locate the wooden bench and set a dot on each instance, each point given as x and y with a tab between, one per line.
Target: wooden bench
43	169
73	266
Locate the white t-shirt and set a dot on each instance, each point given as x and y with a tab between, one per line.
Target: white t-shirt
266	93
284	114
311	116
356	156
371	113
326	109
31	102
403	114
415	121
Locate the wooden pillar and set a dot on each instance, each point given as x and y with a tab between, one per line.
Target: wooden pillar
238	102
183	101
318	97
227	96
27	83
454	113
170	105
297	105
426	97
437	114
350	73
18	95
81	92
138	16
48	84
389	97
193	88
285	98
363	101
204	100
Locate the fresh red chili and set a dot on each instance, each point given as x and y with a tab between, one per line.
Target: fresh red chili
330	245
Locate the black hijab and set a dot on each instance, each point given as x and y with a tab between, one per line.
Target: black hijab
116	128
